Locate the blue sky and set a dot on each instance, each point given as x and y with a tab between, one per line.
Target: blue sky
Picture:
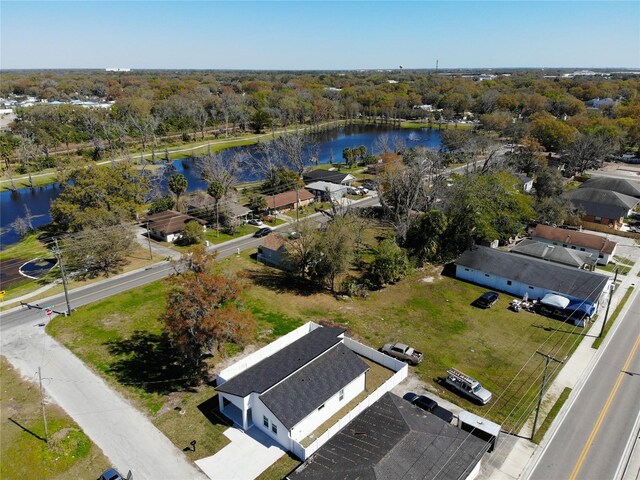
318	35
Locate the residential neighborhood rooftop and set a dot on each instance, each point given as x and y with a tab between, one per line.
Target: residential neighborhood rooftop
533	271
554	253
571	237
602	203
288	198
619	185
325	186
273	241
394	440
275	368
327	176
304	391
171	221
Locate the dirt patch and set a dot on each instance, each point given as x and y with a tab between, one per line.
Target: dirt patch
427	279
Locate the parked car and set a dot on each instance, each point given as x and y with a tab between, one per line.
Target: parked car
369	185
487	299
353	190
364	190
467	386
430	405
111	474
256	222
402	352
263	232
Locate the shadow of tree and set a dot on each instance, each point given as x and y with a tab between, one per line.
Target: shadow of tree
283	282
211	410
151	361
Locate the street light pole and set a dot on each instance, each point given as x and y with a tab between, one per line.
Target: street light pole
544	381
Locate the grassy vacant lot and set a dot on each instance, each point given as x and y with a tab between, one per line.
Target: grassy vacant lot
25	455
121	338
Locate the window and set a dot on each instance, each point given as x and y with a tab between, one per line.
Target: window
582	249
466	269
564	245
265	421
598	219
486	274
341	394
600	256
509	282
274	428
530	287
321	407
573	247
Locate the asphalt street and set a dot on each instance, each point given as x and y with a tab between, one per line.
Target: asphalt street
595	433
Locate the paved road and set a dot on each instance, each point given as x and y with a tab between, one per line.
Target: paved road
124	434
85	295
593	437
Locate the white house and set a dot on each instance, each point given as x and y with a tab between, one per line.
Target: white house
295	384
599	246
520	275
325	191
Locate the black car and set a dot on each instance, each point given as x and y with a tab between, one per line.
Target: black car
487	300
429	405
263	232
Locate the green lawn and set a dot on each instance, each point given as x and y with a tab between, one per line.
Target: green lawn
598	341
622	264
121	338
25	455
27	248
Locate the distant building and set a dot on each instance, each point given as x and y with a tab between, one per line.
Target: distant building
327	192
168	225
620	185
117	69
331	176
290	200
602	206
556	254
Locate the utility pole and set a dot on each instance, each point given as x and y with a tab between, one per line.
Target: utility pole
58	255
149	241
44	415
606	313
544	381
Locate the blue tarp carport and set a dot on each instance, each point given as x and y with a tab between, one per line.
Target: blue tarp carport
582	307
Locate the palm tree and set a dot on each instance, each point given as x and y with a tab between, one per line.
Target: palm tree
178	184
217	191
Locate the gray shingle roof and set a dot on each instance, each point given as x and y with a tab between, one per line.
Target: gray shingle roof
601	203
265	374
394	440
325	175
308	388
535	272
620	185
554	253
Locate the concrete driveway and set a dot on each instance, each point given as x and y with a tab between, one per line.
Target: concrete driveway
125	435
247	456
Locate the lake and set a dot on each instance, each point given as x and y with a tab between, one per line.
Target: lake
329	144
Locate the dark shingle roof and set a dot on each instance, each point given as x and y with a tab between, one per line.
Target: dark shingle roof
265	374
620	185
304	391
532	271
393	440
601	203
324	175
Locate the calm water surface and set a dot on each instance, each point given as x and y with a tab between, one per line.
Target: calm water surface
329	144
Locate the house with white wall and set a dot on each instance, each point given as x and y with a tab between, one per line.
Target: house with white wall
601	248
521	275
294	385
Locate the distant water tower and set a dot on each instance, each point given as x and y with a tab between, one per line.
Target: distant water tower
401	67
